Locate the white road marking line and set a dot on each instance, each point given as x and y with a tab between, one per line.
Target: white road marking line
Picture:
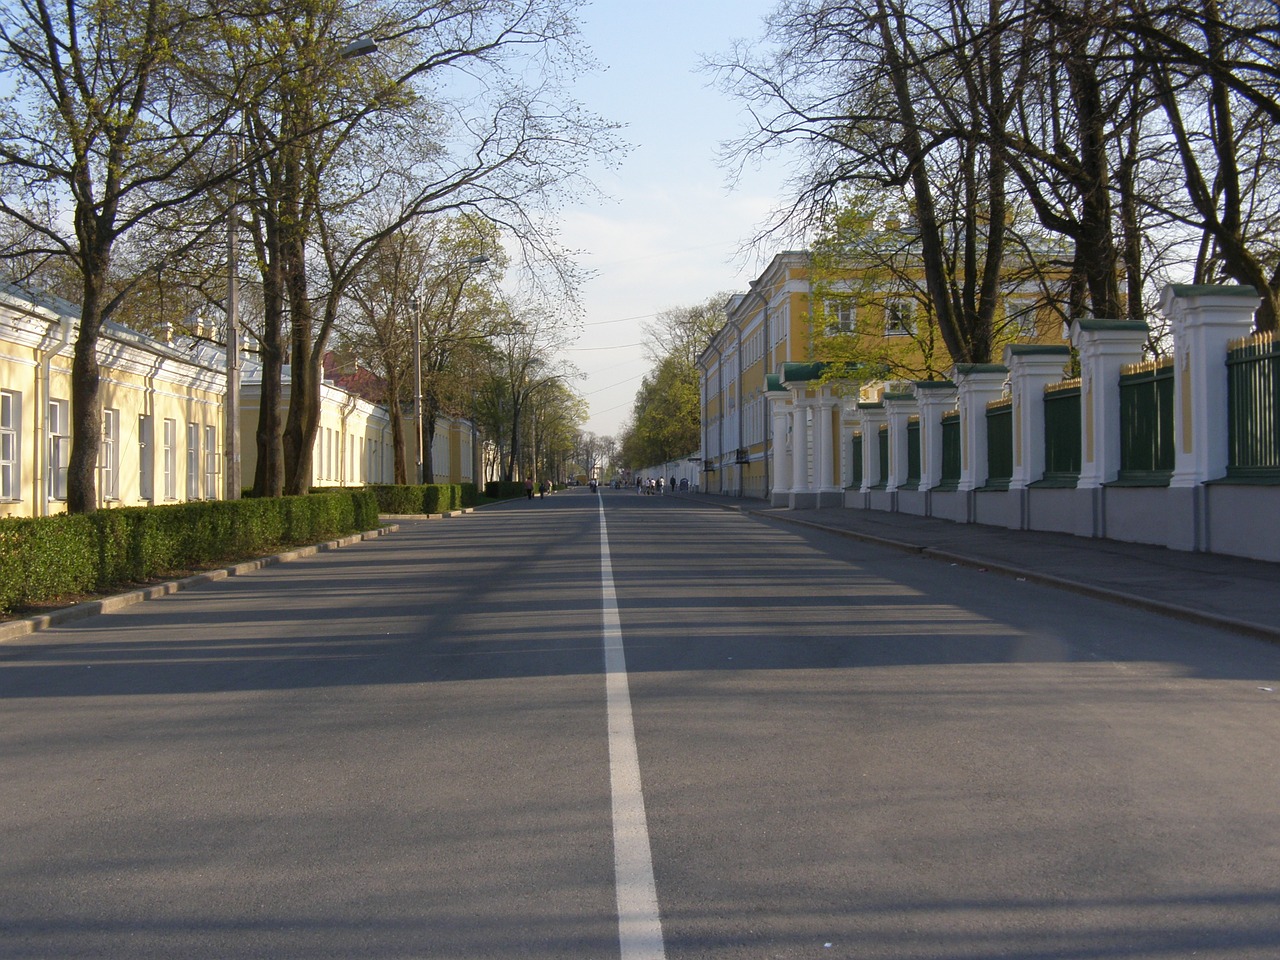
639	923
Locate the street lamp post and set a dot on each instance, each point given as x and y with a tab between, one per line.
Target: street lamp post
417	366
231	429
417	388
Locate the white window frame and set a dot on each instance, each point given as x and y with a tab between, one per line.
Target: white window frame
193	460
842	317
10	444
146	457
899	317
109	456
211	461
59	447
1025	311
170	459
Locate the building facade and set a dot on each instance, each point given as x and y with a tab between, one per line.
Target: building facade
797	353
763	328
163	434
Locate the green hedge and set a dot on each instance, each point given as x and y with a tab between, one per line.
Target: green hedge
44	558
504	489
427	498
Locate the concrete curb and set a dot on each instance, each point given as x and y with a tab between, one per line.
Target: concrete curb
1260	631
12	629
426	516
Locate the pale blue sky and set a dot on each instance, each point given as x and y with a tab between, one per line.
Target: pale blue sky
673	232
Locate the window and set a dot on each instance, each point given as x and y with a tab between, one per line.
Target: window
10	445
171	460
109	456
1021	315
59	448
146	457
899	318
211	462
193	461
841	317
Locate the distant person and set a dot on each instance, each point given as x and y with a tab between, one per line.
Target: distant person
544	488
528	487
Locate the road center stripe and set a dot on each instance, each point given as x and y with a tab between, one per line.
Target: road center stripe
639	924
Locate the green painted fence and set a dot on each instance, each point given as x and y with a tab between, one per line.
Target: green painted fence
1062	434
1253	402
999	444
1146	423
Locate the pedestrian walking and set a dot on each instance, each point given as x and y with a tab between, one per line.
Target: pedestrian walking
528	487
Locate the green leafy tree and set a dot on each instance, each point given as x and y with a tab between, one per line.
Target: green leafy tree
666	415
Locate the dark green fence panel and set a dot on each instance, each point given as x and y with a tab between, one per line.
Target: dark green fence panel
1062	432
951	460
913	454
882	479
1146	424
1253	399
855	461
999	445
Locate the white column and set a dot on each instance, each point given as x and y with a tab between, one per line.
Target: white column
799	446
848	423
977	384
935	398
824	479
1205	320
899	408
781	449
1032	367
872	415
1105	346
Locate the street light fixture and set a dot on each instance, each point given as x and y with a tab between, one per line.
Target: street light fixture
417	371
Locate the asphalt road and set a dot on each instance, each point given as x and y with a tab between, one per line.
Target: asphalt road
402	749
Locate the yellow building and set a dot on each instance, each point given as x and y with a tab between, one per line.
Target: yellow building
773	415
763	328
161	412
353	440
163	416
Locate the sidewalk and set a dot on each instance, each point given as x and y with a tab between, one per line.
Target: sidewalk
1229	592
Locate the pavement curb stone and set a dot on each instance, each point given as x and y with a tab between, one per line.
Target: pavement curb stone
1254	628
13	629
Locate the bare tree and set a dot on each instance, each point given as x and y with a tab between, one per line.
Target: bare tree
521	360
448	117
889	95
99	139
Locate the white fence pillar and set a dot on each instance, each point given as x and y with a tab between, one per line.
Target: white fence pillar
977	384
1205	319
935	397
1032	367
1105	346
899	408
871	416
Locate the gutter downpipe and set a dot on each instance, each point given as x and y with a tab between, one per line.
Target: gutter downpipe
720	393
39	496
741	466
765	359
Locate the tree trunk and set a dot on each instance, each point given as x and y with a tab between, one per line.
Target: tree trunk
400	468
268	476
86	413
304	391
